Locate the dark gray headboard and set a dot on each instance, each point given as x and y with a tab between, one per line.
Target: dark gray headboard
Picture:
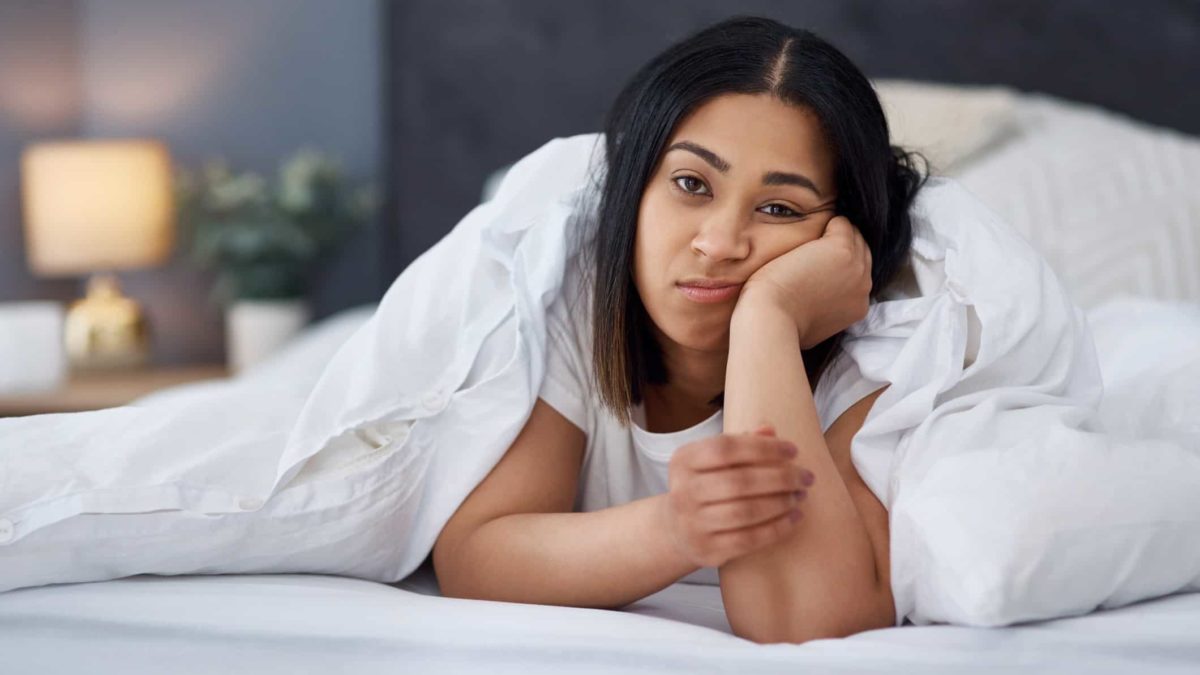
476	84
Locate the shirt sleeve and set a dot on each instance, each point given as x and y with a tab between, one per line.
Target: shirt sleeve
564	386
840	387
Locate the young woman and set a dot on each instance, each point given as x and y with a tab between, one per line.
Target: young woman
750	206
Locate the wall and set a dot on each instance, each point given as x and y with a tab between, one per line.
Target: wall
247	80
39	99
478	84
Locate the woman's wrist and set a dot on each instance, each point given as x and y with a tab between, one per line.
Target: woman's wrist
755	301
662	517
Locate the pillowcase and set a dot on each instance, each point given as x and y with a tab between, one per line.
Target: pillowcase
949	124
1110	202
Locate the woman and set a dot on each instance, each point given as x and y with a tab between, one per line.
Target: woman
750	206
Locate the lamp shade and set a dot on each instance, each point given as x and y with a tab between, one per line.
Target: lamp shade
96	205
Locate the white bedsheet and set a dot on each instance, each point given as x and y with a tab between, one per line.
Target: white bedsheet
294	624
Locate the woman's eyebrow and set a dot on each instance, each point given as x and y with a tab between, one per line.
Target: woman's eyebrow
769	178
781	178
703	153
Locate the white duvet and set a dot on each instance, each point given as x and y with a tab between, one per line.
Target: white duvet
1016	488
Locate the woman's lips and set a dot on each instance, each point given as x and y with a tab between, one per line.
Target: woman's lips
702	294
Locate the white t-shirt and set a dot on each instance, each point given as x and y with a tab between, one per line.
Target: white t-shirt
623	464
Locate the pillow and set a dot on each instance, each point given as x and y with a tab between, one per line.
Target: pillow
1110	202
948	124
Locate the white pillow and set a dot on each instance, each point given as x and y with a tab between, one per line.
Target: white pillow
949	124
1111	203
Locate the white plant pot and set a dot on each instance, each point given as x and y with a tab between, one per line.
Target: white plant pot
254	329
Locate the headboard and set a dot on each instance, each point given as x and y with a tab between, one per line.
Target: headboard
476	84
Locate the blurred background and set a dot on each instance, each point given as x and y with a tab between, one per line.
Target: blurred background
337	140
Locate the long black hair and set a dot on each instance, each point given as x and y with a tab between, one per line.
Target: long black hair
876	182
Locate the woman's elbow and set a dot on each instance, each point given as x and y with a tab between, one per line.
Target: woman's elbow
450	584
822	623
453	570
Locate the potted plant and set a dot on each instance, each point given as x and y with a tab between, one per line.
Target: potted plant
261	238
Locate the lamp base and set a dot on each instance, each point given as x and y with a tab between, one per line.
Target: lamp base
106	330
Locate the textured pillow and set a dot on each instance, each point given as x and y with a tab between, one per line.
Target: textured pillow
949	124
1113	204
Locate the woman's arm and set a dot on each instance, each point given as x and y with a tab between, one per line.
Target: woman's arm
515	539
827	579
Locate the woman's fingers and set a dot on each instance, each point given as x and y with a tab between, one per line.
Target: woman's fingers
730	493
736	543
741	513
725	450
838	226
748	481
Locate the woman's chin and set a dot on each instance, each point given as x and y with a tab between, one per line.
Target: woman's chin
711	340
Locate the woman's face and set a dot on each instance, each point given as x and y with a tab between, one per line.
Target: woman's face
729	194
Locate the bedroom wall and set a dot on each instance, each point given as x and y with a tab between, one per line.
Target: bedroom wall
251	81
478	84
39	99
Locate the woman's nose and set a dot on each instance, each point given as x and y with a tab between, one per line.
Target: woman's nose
722	238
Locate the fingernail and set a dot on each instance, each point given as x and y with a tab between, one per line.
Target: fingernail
807	477
794	515
790	450
798	495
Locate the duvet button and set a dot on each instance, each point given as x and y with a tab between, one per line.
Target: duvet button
6	530
250	503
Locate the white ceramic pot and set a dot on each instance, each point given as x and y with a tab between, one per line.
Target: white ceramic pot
32	357
254	329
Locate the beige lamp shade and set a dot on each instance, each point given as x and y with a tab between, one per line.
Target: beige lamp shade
96	205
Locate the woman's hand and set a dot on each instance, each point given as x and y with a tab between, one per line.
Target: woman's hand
732	494
824	284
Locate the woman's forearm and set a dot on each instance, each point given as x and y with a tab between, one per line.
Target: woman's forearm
607	558
821	581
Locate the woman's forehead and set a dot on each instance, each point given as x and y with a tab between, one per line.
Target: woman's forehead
757	132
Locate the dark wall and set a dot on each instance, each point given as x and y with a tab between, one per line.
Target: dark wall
476	84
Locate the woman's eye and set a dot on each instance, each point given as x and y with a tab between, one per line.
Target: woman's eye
694	187
782	211
691	185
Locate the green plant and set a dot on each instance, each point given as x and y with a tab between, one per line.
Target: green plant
261	237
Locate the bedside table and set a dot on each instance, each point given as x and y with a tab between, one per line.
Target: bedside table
94	390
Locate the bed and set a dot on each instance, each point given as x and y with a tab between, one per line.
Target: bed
1035	168
297	624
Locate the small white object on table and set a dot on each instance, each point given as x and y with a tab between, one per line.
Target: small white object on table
32	357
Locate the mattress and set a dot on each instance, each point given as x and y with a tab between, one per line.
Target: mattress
293	624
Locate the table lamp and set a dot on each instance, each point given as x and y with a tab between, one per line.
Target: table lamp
97	207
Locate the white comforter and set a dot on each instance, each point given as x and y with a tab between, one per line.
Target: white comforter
1015	492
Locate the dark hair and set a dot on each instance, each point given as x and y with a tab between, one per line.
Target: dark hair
876	182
